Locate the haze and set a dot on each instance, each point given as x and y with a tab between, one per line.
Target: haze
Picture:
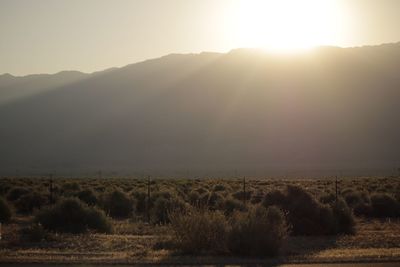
47	36
261	87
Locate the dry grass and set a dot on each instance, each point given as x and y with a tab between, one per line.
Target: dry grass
375	240
135	241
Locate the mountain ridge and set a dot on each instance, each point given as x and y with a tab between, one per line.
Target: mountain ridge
211	111
260	50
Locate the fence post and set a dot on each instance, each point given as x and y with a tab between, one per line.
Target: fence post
51	188
244	190
148	200
336	189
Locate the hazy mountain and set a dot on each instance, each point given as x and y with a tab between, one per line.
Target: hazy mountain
329	109
12	88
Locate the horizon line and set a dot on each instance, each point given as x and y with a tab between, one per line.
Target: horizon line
266	51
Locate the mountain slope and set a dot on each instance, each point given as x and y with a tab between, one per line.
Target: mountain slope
330	109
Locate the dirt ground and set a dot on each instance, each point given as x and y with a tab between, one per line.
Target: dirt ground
375	241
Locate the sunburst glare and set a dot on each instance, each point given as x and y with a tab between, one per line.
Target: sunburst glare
287	25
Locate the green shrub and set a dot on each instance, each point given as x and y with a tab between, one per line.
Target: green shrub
141	201
219	187
306	215
163	206
384	205
97	220
397	194
4	186
70	187
16	192
5	211
201	190
203	199
257	198
363	209
230	205
194	198
355	198
27	203
118	204
343	218
88	196
275	197
215	200
259	232
328	198
71	215
241	195
199	230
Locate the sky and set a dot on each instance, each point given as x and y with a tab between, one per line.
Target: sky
48	36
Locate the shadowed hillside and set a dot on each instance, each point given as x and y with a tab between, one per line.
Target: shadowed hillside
329	109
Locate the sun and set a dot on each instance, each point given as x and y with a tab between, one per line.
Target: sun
287	25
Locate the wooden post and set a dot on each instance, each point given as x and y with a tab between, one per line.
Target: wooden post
51	188
336	189
244	190
148	200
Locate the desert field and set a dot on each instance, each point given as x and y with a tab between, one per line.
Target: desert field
211	221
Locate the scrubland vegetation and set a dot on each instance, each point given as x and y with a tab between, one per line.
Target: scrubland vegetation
194	216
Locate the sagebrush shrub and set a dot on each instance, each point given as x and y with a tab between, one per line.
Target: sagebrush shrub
199	231
5	211
343	218
203	199
363	209
258	232
257	198
355	198
231	205
70	188
215	200
327	198
4	186
384	205
397	194
140	198
275	197
194	198
219	187
307	216
71	215
201	190
241	195
88	196
28	202
16	192
118	204
163	206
